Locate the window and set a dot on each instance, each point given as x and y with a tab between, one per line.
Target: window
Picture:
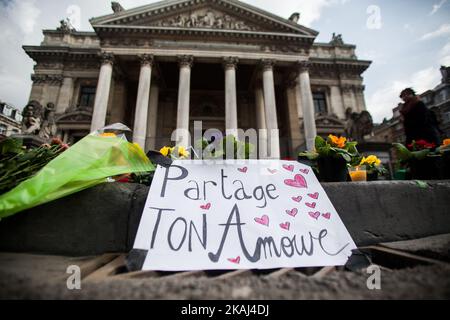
320	102
87	96
3	129
2	107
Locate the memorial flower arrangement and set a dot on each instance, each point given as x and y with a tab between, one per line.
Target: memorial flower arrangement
175	152
335	147
333	155
95	159
240	149
18	163
373	166
424	159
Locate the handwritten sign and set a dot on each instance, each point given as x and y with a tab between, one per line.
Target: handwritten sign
233	214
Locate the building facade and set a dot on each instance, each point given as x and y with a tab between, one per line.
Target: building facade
438	100
10	120
163	66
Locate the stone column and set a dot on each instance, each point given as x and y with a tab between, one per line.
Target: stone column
336	102
271	110
184	88
293	117
65	95
152	119
309	119
261	123
102	93
143	96
231	121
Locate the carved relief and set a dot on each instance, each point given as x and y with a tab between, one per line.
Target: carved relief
46	78
205	19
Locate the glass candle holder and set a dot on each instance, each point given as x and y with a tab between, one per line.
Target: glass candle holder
358	173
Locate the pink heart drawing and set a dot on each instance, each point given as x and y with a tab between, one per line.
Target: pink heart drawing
244	169
326	215
305	171
264	220
285	225
314	195
289	167
206	206
235	260
314	215
292	212
272	171
311	205
297	199
298	182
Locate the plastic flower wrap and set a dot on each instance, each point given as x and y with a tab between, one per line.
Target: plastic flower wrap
103	154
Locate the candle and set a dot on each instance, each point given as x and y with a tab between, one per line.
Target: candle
358	174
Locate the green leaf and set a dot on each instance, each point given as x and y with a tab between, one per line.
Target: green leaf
346	157
309	155
422	184
420	155
319	142
402	152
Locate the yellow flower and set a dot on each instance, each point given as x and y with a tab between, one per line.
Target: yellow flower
166	151
108	135
337	141
370	160
182	152
446	142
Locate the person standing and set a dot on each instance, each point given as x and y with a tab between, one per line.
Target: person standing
419	122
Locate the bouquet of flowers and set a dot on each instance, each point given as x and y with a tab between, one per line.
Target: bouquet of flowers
18	164
93	160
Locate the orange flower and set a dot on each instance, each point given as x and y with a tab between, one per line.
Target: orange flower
446	142
108	135
337	141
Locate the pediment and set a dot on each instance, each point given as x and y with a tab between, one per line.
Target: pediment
203	14
325	120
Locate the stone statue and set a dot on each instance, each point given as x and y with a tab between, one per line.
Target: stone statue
48	127
337	40
295	17
65	26
32	118
116	7
358	124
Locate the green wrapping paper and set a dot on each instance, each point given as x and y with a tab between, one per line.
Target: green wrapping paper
86	164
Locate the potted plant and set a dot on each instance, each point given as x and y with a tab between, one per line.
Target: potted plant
333	156
420	158
373	166
444	161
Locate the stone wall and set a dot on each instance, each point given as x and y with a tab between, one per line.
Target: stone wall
106	218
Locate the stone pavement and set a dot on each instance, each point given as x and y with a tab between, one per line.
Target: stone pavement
26	276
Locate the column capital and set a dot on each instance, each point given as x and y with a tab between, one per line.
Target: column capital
267	64
146	59
230	62
185	61
106	58
303	66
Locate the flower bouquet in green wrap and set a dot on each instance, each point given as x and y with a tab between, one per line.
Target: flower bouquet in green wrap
93	160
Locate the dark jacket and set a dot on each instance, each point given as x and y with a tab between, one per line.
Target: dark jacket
420	123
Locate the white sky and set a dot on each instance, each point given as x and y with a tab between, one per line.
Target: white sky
407	40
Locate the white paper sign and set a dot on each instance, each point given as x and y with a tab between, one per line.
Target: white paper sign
237	214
